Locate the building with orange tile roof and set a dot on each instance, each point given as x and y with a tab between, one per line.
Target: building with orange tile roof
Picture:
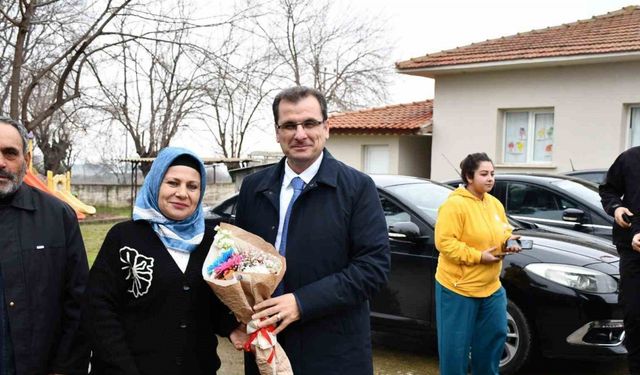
612	35
394	139
540	100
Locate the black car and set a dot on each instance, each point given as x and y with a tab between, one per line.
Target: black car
596	176
222	212
554	200
562	294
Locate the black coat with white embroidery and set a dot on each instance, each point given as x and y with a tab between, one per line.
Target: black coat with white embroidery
144	316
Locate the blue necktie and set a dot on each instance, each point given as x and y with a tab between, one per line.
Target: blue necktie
298	185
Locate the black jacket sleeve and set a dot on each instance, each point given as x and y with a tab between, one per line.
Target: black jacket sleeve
225	322
72	355
105	293
612	190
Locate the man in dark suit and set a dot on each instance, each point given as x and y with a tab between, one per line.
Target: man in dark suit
326	218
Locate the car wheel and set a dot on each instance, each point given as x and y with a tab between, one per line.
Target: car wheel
517	348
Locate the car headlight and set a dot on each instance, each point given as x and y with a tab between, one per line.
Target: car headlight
575	277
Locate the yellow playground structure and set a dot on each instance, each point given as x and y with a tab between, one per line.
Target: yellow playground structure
62	184
60	187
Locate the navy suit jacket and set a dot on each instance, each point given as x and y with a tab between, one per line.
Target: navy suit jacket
337	257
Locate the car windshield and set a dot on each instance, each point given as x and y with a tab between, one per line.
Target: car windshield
586	191
427	197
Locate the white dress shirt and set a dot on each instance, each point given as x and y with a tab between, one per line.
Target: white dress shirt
286	191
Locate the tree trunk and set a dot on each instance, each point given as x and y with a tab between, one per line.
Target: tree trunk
18	61
55	154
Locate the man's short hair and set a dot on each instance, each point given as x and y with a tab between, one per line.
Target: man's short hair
294	95
20	128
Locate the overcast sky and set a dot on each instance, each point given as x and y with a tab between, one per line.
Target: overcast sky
419	27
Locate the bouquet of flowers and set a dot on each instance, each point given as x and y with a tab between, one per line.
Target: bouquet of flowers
242	270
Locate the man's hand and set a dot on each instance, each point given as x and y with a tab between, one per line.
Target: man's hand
488	257
283	309
239	336
617	214
635	242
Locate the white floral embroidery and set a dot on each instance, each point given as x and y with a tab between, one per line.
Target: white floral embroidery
139	269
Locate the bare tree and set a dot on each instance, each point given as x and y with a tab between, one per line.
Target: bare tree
343	55
158	88
7	32
56	135
45	45
111	146
241	82
52	38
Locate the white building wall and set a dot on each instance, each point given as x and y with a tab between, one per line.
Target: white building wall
349	150
415	156
590	105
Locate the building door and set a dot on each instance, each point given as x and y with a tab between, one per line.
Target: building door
376	159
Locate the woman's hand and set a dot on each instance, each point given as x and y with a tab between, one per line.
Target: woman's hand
515	247
239	336
488	257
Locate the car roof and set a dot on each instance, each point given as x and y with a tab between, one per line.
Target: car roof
583	171
533	177
386	180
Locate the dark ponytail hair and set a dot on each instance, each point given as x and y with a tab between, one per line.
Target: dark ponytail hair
470	164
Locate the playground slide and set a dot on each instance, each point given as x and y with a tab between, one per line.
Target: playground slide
77	203
32	180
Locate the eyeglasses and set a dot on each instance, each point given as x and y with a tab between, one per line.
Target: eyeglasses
291	126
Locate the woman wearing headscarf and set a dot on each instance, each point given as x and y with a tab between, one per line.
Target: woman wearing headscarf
149	310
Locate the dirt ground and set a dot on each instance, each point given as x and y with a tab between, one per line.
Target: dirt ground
393	356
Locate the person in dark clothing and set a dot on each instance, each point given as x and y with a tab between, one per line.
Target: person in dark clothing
43	268
326	219
620	196
149	311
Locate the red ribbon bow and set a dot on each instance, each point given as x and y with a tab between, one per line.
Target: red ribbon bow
265	333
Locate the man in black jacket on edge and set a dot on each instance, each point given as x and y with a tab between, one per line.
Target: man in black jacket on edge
621	199
43	271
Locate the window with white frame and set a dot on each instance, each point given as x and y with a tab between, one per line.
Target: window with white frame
528	137
634	127
376	159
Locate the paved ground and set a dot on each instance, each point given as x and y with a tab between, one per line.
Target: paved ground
411	357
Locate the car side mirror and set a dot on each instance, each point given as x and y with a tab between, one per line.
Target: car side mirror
404	229
574	215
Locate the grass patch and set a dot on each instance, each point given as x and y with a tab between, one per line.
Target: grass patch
93	235
113	211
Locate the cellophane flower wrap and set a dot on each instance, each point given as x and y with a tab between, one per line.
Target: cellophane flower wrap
242	270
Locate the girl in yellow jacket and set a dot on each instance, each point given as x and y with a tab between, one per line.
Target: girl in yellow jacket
471	305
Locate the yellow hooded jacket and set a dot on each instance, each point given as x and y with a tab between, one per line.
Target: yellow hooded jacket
466	226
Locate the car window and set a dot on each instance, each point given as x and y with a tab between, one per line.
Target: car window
533	201
586	190
426	197
227	208
392	213
498	190
595	177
